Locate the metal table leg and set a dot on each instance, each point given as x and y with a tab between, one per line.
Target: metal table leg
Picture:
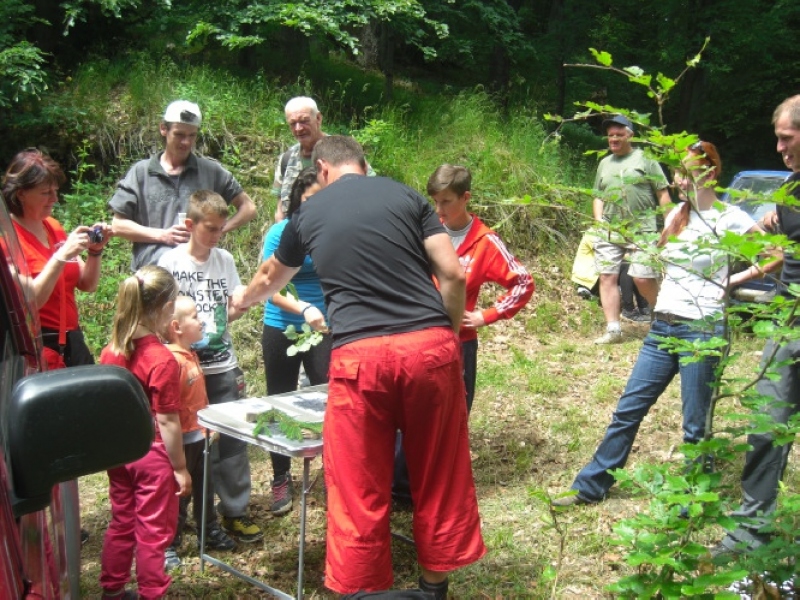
303	504
226	567
206	471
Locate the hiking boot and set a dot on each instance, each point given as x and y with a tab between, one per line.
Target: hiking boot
584	292
610	337
438	591
571	500
216	539
84	536
243	528
171	559
281	495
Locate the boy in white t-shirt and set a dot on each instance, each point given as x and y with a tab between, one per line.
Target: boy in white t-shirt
208	275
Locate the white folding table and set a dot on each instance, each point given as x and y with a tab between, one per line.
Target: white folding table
230	418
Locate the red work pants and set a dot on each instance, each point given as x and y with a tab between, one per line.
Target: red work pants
412	382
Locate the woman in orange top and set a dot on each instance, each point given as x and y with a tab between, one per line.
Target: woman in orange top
30	191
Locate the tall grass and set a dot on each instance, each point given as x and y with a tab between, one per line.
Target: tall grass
108	112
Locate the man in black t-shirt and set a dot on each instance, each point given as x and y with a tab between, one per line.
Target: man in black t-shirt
395	364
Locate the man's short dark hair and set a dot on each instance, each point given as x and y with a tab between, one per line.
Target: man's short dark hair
339	150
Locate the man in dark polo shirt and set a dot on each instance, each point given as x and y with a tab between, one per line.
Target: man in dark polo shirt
766	462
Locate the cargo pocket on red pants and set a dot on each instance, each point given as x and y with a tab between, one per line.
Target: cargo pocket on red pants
443	369
343	382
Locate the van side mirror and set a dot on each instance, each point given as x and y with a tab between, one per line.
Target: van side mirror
72	422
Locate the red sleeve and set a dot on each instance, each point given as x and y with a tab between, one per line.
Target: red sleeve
107	357
507	271
164	385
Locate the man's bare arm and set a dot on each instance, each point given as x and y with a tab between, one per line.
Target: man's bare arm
663	197
245	212
597	209
450	274
271	277
134	232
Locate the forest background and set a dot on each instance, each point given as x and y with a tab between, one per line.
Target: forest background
418	83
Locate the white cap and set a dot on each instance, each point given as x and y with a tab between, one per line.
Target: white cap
182	111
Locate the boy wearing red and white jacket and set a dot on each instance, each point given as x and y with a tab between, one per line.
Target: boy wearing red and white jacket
484	257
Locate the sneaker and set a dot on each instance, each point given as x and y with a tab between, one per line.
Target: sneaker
216	539
84	536
610	337
171	559
636	315
571	500
281	495
629	315
584	292
762	587
243	528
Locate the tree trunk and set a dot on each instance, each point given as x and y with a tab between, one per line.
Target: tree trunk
369	40
386	58
555	27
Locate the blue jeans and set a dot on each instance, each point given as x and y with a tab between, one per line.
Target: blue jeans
654	370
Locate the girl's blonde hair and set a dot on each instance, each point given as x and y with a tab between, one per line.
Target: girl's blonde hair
141	299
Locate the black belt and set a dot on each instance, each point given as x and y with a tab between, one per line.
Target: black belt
50	339
671	319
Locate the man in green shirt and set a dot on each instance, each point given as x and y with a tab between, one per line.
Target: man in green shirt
630	187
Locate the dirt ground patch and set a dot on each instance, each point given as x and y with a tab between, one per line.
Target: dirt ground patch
545	395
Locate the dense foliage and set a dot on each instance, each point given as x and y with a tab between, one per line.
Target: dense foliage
518	48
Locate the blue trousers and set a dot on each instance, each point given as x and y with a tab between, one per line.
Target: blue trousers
654	370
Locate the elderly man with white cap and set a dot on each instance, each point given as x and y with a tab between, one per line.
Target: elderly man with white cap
149	204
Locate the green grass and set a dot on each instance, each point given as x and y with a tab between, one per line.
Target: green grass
524	446
545	392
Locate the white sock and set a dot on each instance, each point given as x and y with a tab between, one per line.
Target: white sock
613	326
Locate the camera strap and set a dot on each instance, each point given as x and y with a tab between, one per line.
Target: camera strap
62	324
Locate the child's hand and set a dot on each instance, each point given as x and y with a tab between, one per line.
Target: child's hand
184	482
473	319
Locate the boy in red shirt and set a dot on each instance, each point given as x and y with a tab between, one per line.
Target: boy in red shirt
485	259
183	330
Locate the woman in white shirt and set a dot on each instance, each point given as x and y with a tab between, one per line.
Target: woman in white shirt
688	308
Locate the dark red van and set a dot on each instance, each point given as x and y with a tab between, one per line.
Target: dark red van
54	427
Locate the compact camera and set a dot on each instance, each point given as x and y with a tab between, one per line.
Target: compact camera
96	235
